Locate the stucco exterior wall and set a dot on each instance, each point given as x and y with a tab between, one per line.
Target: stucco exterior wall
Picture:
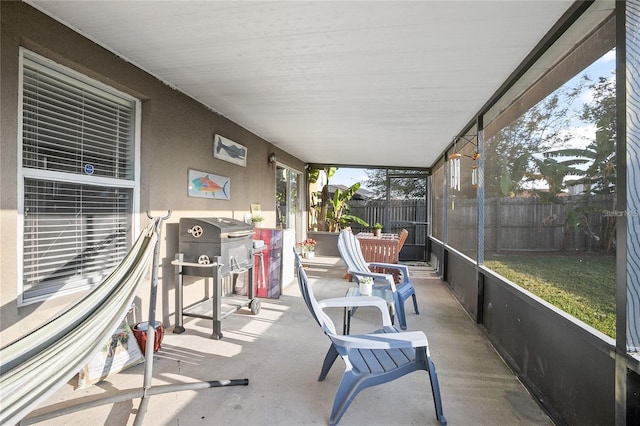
176	135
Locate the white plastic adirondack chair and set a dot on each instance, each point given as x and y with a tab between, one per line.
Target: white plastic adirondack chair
351	253
370	359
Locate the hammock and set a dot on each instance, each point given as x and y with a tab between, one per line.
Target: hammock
33	367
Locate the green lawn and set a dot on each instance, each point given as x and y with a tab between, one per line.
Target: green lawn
583	286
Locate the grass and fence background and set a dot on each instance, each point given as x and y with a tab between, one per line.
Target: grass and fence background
553	249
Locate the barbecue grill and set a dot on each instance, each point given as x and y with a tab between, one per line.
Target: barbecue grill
221	248
225	241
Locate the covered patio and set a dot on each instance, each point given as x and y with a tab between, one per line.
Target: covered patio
460	92
280	351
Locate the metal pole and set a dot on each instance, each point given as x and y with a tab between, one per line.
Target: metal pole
217	303
127	395
148	353
179	328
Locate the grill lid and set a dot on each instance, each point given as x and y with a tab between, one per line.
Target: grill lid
213	229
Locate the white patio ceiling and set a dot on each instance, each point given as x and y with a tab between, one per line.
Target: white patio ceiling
334	82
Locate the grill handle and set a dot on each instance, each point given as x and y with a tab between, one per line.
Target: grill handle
239	234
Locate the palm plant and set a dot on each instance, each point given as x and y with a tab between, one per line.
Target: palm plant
320	199
332	213
338	216
599	177
596	162
554	173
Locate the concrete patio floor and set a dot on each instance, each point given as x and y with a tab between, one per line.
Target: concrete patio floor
281	350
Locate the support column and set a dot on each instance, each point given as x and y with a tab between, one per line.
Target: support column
632	211
627	386
480	218
480	192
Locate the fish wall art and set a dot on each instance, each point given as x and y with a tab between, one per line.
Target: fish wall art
208	185
228	150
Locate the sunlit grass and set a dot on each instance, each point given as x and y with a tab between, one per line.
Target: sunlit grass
583	286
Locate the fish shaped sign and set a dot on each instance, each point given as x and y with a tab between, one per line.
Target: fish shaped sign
207	185
227	150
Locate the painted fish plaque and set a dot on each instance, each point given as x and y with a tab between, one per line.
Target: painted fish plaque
207	185
228	150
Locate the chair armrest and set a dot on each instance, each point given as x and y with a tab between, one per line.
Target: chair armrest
403	268
359	301
402	340
375	275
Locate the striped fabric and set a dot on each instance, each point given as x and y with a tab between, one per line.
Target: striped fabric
35	366
351	252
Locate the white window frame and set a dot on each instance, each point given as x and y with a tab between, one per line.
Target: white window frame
24	173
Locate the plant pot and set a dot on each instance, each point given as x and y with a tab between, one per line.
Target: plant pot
309	254
377	232
140	333
365	288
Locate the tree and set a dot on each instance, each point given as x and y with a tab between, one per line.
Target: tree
599	156
554	173
319	203
508	154
400	188
337	216
596	162
512	155
331	213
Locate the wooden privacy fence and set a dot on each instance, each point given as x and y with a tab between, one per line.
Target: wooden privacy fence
510	224
402	214
575	223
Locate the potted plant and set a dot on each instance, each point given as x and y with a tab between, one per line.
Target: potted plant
256	220
365	285
377	229
308	248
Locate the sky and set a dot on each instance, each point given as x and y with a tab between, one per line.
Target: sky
348	176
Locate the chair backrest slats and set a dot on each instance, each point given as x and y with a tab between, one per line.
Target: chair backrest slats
351	252
402	238
306	289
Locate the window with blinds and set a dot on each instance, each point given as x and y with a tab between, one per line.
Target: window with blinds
77	178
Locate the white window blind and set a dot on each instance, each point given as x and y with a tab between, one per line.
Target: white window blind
78	178
68	124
